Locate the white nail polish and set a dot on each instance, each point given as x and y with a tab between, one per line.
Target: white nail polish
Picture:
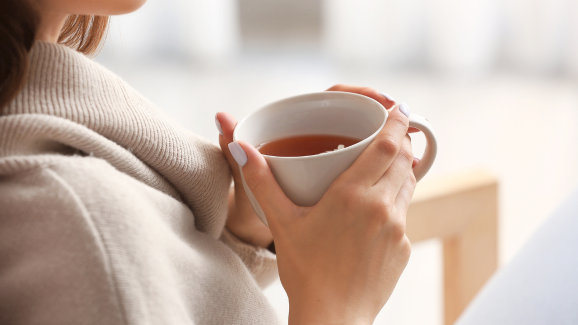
238	153
219	128
387	97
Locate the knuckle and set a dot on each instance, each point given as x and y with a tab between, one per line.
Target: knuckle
405	248
387	145
378	210
397	229
381	211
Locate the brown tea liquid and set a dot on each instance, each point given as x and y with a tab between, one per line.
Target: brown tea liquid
305	145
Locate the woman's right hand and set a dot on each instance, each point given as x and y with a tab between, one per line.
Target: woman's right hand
340	260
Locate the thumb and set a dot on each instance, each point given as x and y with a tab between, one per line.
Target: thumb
261	181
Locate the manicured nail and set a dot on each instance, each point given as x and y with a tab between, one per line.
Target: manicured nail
238	153
387	97
404	108
219	128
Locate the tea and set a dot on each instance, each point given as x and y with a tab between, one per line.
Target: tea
305	145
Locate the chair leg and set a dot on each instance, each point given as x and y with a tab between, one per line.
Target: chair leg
470	257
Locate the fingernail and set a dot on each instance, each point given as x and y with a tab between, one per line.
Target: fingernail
238	153
219	128
387	97
404	108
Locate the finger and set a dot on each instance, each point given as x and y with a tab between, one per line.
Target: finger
384	99
226	124
378	156
390	183
405	193
261	181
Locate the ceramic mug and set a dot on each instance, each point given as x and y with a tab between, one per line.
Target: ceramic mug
305	179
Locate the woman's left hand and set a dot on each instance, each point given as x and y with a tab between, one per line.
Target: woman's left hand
242	220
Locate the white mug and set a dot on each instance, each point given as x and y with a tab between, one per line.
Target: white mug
305	179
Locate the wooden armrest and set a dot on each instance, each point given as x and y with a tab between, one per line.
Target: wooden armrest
461	210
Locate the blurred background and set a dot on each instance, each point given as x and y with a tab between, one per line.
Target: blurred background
496	79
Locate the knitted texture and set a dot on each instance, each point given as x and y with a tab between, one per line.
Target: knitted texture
112	213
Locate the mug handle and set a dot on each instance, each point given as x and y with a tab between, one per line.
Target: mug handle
416	121
431	149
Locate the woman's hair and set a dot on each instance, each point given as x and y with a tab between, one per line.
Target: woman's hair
84	33
19	22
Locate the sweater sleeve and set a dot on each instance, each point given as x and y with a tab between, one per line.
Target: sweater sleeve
53	268
261	262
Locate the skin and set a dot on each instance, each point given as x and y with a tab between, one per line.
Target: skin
339	260
242	220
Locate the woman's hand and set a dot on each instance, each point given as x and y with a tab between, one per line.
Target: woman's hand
340	260
242	220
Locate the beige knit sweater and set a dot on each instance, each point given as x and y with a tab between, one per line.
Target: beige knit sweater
111	213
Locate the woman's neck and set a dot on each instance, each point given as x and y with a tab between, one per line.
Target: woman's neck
50	25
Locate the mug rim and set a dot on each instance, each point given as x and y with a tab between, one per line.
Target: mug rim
339	93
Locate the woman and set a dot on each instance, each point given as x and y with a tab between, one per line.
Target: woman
111	213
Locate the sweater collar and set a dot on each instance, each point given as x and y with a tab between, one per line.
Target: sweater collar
65	84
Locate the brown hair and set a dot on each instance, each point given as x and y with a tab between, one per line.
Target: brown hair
18	25
84	33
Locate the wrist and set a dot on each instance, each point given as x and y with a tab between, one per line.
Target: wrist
311	316
324	311
250	236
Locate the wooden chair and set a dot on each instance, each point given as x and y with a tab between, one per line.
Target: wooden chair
462	211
